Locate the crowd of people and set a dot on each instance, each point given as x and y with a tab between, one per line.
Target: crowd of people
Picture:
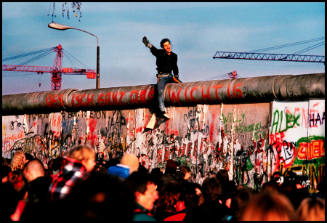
82	187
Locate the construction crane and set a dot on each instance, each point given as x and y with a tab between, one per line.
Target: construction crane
294	57
56	70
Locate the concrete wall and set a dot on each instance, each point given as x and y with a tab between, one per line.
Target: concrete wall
252	140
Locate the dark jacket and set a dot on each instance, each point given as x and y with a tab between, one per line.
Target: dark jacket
165	63
209	211
37	200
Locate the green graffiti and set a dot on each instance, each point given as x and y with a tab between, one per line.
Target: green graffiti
249	165
241	127
290	121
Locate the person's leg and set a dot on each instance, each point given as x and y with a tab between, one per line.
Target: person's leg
161	86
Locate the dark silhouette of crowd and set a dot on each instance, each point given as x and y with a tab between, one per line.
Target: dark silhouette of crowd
83	187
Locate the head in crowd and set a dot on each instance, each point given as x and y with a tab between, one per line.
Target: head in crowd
131	161
33	169
222	176
311	209
185	172
169	200
85	155
100	197
5	170
240	201
211	189
271	186
54	165
28	157
268	206
192	194
18	161
171	167
144	189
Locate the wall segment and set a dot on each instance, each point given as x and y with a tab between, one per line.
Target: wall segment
252	127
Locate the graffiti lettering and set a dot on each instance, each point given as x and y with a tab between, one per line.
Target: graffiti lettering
52	100
206	94
315	119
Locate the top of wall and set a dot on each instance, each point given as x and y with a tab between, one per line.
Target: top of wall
242	90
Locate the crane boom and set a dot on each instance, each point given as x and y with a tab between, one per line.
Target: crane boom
47	69
56	70
269	56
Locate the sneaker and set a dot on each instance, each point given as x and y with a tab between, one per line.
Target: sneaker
165	116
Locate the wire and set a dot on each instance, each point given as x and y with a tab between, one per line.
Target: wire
69	54
36	58
309	48
27	54
286	45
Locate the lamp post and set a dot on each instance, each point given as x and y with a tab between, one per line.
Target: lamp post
58	26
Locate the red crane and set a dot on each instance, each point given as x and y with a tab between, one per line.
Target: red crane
56	70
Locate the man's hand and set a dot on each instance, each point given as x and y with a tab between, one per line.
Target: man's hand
146	42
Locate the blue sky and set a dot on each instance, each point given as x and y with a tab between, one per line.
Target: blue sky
197	30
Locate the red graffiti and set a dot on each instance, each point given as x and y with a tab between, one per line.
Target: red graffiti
92	137
173	97
53	100
312	150
192	90
235	92
217	87
277	139
159	155
206	95
167	153
82	99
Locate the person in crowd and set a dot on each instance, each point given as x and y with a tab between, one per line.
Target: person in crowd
238	203
157	177
18	161
129	163
17	164
80	161
9	196
5	170
16	180
268	206
187	200
185	173
271	186
212	210
291	188
169	198
99	198
145	194
311	209
55	165
228	187
37	191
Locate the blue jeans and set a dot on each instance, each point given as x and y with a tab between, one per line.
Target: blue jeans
161	83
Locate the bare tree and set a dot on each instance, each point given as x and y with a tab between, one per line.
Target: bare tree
66	9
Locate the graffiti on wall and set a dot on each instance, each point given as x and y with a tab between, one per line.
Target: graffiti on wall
296	137
250	141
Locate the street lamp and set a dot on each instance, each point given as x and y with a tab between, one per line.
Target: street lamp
58	26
